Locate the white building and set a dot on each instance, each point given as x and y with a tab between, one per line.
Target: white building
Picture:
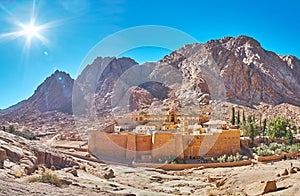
143	129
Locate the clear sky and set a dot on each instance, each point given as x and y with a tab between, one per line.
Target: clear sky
65	31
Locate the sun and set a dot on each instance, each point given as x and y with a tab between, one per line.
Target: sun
30	31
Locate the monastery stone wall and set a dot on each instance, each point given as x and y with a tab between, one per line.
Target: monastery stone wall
130	146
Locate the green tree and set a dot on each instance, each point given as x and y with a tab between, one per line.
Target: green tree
11	129
260	122
277	127
250	129
238	118
252	134
292	126
233	116
264	126
289	137
249	119
244	118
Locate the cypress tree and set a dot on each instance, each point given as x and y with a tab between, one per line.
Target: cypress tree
252	133
244	118
249	119
264	126
238	118
233	116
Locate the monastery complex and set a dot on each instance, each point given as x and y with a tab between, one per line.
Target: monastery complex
171	135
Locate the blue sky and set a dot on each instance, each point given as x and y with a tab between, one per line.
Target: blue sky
71	28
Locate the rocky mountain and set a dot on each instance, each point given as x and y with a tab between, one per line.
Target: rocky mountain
236	70
250	74
54	94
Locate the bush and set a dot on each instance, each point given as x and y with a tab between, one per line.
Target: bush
294	148
244	158
275	148
265	152
47	178
278	151
231	158
170	160
12	130
222	159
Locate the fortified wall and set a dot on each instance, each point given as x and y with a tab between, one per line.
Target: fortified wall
128	146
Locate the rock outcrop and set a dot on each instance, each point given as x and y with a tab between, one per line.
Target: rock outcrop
22	157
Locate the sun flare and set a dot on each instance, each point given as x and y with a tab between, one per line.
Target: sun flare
30	31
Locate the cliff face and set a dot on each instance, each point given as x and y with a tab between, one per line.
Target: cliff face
250	74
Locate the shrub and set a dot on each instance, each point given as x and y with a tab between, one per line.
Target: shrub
222	159
230	158
12	130
293	148
265	152
238	156
244	158
169	160
47	178
278	151
274	146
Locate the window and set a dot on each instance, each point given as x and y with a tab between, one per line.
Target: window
172	118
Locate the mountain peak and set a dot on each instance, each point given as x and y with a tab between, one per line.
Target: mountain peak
54	94
234	42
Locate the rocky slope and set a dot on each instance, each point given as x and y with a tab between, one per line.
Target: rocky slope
250	74
22	160
236	70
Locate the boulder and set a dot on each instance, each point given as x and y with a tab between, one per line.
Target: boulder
29	165
296	168
18	174
13	153
106	173
270	186
285	173
17	171
83	167
74	172
293	171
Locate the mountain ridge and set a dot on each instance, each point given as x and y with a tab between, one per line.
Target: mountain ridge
250	74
